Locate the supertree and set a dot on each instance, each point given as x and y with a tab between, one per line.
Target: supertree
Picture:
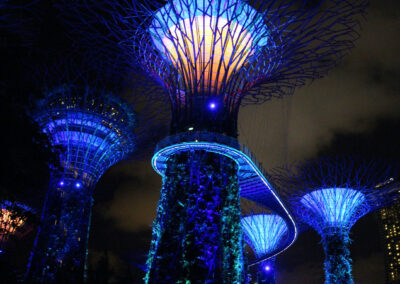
91	128
212	56
263	233
92	131
330	194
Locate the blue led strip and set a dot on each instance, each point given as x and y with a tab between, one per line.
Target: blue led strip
246	170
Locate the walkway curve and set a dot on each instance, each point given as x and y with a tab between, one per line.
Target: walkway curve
253	184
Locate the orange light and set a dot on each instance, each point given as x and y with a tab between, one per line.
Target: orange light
9	222
208	50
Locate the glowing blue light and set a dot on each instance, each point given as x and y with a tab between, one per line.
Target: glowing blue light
264	232
267	268
335	207
77	185
212	105
90	142
61	183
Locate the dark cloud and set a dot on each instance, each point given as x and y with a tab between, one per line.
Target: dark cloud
351	98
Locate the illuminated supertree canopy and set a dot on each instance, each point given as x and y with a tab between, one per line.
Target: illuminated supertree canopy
212	56
14	217
263	233
92	131
330	194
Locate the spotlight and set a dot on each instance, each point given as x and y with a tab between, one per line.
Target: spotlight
212	105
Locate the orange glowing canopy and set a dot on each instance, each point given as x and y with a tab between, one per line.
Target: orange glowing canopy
207	40
211	51
9	222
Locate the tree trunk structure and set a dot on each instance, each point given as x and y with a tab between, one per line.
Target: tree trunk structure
60	250
337	259
197	232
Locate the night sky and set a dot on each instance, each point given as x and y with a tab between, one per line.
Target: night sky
354	109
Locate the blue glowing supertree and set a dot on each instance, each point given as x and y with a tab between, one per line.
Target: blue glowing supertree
92	131
91	128
212	56
263	233
330	194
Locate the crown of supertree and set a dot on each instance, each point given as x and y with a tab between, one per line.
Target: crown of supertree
85	118
92	130
213	55
13	217
332	193
263	232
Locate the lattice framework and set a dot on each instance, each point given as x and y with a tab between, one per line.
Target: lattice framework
92	131
263	232
224	53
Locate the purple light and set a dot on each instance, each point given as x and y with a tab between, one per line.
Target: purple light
77	185
267	268
61	183
212	105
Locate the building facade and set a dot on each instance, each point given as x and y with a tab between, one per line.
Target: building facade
390	222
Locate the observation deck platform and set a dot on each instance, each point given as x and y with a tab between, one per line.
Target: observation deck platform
252	178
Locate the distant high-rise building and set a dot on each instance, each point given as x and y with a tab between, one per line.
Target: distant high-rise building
390	222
